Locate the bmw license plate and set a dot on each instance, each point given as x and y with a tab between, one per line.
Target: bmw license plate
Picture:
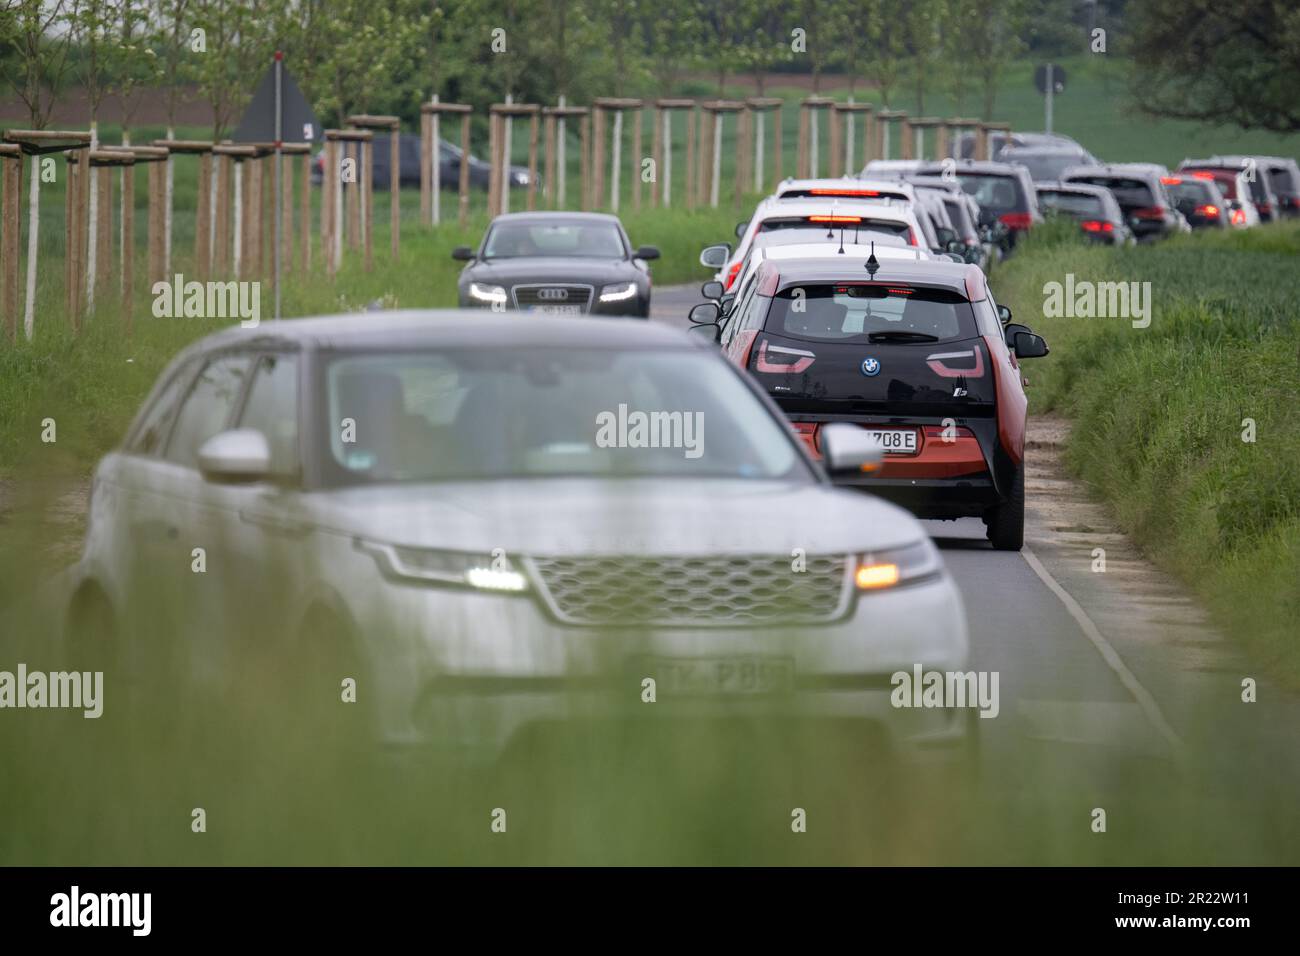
708	676
557	309
895	441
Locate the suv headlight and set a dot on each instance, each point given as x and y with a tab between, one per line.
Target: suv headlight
618	292
483	572
492	294
878	570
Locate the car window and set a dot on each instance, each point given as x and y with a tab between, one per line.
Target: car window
852	312
1072	204
732	323
997	193
595	239
208	407
152	430
466	414
1128	192
272	409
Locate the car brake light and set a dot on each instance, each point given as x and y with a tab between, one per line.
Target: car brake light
835	219
936	363
1170	180
1239	217
911	237
1207	211
1016	220
1264	207
1203	175
807	431
782	360
1094	225
843	192
1149	212
732	273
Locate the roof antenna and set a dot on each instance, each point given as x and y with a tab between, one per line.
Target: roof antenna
873	264
841	239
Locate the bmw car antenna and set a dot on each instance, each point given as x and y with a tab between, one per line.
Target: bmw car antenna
873	264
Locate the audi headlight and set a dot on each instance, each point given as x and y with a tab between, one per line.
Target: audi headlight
483	572
491	294
618	292
879	570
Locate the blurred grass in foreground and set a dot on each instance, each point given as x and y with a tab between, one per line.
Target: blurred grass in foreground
1158	412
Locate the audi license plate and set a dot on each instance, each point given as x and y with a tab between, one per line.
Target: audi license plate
557	309
895	441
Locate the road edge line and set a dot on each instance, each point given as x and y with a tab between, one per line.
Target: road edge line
1108	653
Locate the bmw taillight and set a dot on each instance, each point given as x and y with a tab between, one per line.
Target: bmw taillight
939	364
807	432
1016	220
732	273
1096	225
1149	212
782	360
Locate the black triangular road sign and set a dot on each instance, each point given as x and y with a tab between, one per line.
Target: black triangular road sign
258	122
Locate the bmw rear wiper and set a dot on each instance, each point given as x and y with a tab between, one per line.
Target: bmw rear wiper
893	335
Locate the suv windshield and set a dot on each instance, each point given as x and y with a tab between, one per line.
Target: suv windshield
465	414
591	240
862	312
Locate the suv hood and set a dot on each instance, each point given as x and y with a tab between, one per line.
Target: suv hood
582	516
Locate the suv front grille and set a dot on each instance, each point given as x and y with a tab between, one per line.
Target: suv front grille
705	591
527	296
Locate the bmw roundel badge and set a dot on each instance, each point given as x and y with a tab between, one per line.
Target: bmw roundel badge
870	365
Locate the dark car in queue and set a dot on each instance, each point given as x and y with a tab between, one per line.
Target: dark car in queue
558	263
1093	207
1199	200
1140	192
916	353
408	154
1005	194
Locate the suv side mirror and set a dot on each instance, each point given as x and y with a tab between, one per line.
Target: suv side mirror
741	227
848	450
706	313
1004	314
240	454
463	254
726	303
713	289
715	257
647	253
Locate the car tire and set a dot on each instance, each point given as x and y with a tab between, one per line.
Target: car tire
1006	521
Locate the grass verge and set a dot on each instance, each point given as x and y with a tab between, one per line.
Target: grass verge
1188	427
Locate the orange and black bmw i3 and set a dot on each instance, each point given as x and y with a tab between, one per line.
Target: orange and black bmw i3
917	353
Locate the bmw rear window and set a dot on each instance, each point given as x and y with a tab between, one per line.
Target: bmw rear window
870	312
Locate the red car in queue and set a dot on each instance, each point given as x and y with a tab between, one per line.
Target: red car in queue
917	353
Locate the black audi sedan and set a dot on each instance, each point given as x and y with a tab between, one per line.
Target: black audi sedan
561	263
